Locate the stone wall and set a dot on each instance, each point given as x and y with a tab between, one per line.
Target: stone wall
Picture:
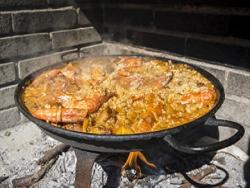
210	30
34	34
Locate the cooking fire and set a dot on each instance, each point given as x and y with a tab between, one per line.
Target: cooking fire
51	164
132	162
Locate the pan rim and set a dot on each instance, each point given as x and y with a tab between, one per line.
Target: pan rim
126	137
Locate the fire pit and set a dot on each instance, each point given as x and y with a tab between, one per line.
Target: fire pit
87	145
226	165
209	35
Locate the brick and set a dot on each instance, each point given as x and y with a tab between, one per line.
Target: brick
235	111
239	85
7	73
136	17
194	23
7	96
158	41
24	119
15	4
242	143
44	20
219	74
82	19
74	37
28	66
225	53
5	24
9	118
92	50
24	45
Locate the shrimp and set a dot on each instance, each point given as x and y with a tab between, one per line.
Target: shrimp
76	111
66	115
132	61
95	102
68	71
196	97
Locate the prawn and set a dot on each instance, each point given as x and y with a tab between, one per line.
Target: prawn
76	113
197	97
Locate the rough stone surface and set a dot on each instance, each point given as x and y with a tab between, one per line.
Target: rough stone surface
44	20
9	118
24	119
28	66
5	24
237	112
243	143
74	37
24	45
20	148
92	50
82	19
22	3
238	85
7	96
7	73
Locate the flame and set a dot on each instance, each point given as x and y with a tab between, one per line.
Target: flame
131	162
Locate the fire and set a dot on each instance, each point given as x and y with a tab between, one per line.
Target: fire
132	163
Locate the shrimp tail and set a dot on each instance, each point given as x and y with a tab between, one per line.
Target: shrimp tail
64	115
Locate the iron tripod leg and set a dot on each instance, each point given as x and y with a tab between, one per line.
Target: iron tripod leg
84	164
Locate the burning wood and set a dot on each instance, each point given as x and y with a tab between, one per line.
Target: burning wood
132	163
2	178
29	180
52	153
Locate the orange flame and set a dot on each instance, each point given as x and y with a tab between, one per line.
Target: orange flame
131	162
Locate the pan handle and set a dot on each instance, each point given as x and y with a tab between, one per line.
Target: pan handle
211	147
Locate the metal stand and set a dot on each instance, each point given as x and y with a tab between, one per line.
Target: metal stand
85	161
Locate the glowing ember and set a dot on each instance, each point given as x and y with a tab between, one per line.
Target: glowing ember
132	163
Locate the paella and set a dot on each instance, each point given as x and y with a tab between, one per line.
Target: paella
119	95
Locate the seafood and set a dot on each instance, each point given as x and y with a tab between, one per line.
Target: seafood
119	95
56	115
72	110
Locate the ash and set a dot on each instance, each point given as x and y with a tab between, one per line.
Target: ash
22	146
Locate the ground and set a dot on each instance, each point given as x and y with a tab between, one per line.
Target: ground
23	145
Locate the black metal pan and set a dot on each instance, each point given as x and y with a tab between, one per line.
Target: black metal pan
135	142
